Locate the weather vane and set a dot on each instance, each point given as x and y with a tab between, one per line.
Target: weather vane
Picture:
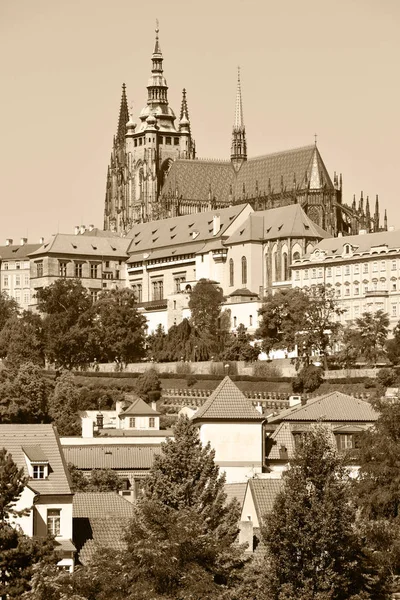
157	28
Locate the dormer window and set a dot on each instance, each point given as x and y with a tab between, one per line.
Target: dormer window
37	462
347	249
39	471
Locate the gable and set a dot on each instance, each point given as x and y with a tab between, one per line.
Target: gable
227	402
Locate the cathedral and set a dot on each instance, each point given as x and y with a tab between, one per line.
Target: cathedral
154	172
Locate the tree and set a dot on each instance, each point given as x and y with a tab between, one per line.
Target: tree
148	386
155	344
372	331
99	480
313	547
302	318
8	308
18	553
24	395
22	340
205	304
122	327
64	404
349	343
183	532
238	346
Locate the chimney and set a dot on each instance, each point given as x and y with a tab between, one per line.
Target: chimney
259	408
9	241
100	420
294	401
87	427
246	534
23	241
41	240
82	229
154	406
76	229
216	224
91	227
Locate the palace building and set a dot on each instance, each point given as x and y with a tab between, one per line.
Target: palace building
154	172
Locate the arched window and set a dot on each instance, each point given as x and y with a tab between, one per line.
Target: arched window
296	256
266	269
244	270
275	266
231	272
285	267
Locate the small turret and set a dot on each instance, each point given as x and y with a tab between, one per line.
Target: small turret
385	224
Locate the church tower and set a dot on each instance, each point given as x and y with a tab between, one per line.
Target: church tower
142	154
239	146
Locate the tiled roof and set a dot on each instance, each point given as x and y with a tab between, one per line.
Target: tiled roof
153	236
235	490
105	533
229	403
111	456
159	433
275	223
334	406
281	437
139	407
243	292
96	232
69	244
361	243
35	453
15	437
264	493
100	505
194	179
15	252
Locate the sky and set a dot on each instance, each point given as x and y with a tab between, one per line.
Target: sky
321	67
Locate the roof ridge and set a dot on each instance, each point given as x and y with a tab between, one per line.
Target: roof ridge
288	151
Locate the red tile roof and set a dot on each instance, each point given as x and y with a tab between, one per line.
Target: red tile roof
227	402
111	456
139	407
264	492
15	437
100	505
235	490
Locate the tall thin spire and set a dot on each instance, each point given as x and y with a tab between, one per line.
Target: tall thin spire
157	47
123	116
239	145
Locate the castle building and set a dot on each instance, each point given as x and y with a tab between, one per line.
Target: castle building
143	153
154	173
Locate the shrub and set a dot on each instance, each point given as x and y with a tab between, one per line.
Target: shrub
147	382
191	380
297	385
386	377
369	383
266	369
310	377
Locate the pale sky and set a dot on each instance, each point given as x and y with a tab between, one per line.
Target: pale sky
310	66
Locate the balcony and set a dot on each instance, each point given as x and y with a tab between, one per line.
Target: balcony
377	294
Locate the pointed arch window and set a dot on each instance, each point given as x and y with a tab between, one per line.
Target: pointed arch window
285	266
244	270
231	273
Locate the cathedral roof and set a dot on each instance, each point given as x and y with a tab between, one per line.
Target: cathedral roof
284	222
195	179
187	233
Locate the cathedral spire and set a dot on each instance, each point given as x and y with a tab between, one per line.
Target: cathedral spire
123	116
376	215
157	86
239	145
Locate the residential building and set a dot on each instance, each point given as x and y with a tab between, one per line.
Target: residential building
15	271
47	496
346	418
233	427
153	175
363	270
98	261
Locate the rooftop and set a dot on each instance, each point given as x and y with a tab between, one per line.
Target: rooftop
228	403
135	457
100	505
88	245
139	407
264	492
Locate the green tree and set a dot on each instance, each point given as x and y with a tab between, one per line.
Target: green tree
148	386
22	340
8	308
372	332
64	404
155	344
18	553
24	395
349	344
205	304
183	532
313	547
238	346
121	326
99	480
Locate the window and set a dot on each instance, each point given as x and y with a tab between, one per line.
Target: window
132	422
137	290
347	291
26	297
18	295
26	280
365	268
107	264
394	310
18	280
394	265
347	268
314	274
338	270
356	311
38	471
305	273
251	320
297	275
53	521
93	295
365	289
168	141
17	264
296	256
244	270
78	270
383	265
174	304
356	269
320	273
285	266
375	286
329	272
157	289
338	292
347	441
231	272
375	267
93	271
347	249
234	321
394	287
152	422
176	141
177	283
62	271
5	281
5	266
357	290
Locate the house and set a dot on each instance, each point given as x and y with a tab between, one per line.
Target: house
15	270
229	421
47	495
99	521
345	416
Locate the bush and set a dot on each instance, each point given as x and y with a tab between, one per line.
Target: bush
386	377
266	369
369	383
310	378
297	385
149	382
191	380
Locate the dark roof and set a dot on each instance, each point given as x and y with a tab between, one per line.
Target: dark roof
99	533
16	252
70	244
229	403
243	292
100	505
35	454
139	407
284	222
194	179
334	406
111	456
16	437
264	492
